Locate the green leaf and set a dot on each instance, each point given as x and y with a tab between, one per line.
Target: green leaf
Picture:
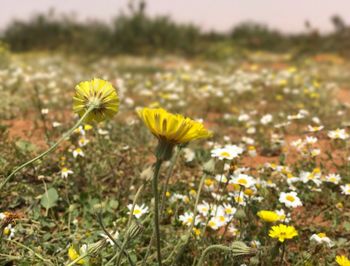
49	198
347	226
25	146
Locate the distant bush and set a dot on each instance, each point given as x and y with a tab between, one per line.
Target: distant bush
134	32
4	55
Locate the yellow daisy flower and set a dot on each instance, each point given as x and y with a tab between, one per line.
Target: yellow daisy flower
99	95
73	255
171	129
283	232
269	216
342	260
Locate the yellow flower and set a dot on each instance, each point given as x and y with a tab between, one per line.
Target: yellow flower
269	216
73	255
342	260
283	232
99	95
171	129
196	231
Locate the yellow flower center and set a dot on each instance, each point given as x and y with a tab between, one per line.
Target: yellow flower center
228	211
321	235
242	181
290	198
224	154
137	211
208	182
222	218
6	231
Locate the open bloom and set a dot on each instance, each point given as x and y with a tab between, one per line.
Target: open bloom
243	180
342	260
228	152
65	172
9	231
187	219
73	254
321	238
290	199
204	208
333	178
269	216
345	189
99	95
283	232
173	128
314	176
338	134
138	210
78	152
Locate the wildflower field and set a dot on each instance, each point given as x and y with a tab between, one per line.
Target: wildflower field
164	160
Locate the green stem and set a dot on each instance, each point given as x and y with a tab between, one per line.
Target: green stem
126	239
115	241
156	208
167	178
49	262
78	259
190	230
282	255
209	249
54	146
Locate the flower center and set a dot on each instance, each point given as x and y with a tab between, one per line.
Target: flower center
290	198
242	181
321	235
137	211
224	154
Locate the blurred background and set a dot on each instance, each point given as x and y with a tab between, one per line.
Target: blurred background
206	28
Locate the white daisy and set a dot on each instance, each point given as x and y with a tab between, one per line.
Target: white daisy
229	152
65	172
243	180
311	176
221	178
338	134
266	119
187	219
290	199
83	141
138	210
78	152
345	189
333	178
321	238
203	208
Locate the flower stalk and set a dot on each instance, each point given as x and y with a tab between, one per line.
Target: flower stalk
156	207
49	150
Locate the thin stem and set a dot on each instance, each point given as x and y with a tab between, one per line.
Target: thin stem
78	259
126	238
193	219
31	250
115	241
156	208
282	255
167	178
54	146
209	249
47	196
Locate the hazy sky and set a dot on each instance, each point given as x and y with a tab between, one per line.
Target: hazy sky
287	15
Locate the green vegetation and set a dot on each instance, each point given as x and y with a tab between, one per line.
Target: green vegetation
135	32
